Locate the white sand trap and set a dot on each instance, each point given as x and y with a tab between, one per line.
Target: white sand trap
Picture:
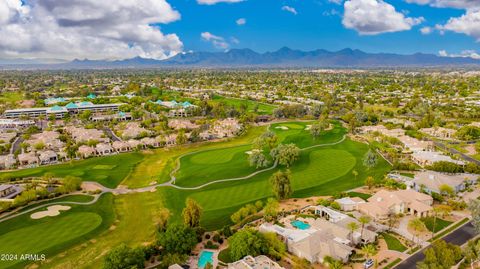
308	127
282	127
51	211
250	152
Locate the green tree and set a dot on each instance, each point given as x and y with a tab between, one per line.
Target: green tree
446	190
355	174
441	255
417	226
171	259
258	159
364	220
122	257
370	182
285	154
178	238
369	250
280	181
161	217
352	226
271	209
247	242
474	207
370	159
191	213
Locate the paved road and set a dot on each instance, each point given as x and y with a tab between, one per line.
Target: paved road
111	134
458	237
456	152
16	144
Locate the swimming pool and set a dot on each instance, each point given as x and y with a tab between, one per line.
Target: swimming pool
300	225
205	257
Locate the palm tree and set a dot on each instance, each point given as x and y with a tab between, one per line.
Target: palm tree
364	220
417	226
369	250
352	226
442	210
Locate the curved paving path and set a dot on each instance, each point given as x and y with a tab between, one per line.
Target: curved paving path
151	188
16	214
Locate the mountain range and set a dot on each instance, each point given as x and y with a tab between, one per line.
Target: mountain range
282	58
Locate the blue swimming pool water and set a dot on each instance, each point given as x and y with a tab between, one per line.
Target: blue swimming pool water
300	225
205	257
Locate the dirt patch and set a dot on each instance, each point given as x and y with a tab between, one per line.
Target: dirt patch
90	187
51	211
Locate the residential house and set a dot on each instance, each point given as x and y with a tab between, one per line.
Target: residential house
430	181
349	203
311	244
182	124
259	262
121	146
133	130
47	157
226	128
7	161
439	132
103	149
86	151
384	203
28	159
340	227
425	158
50	139
82	135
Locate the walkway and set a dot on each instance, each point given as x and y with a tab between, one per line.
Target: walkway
16	214
170	183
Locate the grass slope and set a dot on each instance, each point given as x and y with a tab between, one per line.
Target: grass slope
393	243
88	170
263	108
50	235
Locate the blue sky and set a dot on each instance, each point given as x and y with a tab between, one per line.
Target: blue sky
112	29
268	27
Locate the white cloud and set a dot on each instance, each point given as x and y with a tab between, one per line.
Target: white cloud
241	21
290	9
426	30
338	2
234	40
468	24
371	17
107	29
464	54
217	41
213	2
461	4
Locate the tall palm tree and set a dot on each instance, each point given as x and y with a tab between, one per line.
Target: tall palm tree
364	220
417	226
442	210
352	226
369	250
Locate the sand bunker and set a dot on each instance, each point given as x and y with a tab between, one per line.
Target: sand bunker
51	211
250	152
282	127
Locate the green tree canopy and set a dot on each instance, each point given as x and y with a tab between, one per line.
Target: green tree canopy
178	239
282	187
122	257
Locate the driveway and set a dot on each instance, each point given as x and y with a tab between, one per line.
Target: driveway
458	237
456	152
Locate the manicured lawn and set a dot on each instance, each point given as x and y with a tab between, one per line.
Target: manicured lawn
393	243
319	171
134	225
250	104
440	224
206	166
50	235
298	133
70	198
93	169
157	164
364	196
224	256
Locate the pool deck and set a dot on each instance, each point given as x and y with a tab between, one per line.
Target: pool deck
193	261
